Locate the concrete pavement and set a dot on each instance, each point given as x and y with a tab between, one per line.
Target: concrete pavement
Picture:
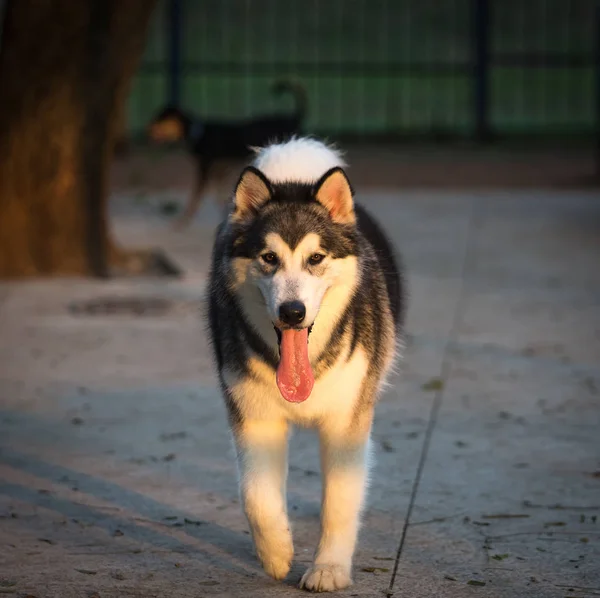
116	470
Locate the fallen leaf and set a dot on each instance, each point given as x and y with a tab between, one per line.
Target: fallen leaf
375	570
433	385
86	571
383	558
450	578
500	557
506	516
474	582
194	522
386	445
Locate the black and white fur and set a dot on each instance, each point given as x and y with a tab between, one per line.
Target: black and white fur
296	202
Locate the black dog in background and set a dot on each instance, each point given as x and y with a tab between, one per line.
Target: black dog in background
218	145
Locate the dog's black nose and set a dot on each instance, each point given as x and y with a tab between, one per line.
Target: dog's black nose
292	312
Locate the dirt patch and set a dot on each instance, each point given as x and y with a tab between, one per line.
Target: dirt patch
122	306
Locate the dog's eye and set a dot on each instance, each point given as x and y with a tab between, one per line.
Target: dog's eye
316	258
269	258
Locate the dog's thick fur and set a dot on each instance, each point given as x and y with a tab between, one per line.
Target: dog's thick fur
218	146
293	204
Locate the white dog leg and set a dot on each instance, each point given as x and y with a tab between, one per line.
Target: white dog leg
262	461
344	457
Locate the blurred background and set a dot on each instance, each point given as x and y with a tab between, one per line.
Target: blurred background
380	69
420	93
444	93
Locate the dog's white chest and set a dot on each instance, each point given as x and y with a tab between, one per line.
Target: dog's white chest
335	393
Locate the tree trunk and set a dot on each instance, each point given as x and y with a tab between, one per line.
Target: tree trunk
65	69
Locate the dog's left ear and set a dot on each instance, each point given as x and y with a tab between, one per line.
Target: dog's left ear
251	193
334	192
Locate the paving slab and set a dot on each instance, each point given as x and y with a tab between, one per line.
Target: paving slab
117	475
510	491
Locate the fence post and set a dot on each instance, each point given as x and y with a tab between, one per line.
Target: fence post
597	85
174	30
481	71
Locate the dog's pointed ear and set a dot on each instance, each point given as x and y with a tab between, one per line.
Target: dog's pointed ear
251	193
334	192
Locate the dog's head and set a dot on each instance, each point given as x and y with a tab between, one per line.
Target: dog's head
294	254
168	126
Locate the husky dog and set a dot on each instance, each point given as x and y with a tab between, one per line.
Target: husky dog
305	308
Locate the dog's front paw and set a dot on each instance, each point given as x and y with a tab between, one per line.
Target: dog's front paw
326	578
276	558
277	567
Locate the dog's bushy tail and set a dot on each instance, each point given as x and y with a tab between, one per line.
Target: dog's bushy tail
299	93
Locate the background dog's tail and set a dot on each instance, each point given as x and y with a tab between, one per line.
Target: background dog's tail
299	93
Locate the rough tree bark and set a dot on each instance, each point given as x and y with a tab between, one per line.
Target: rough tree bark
65	70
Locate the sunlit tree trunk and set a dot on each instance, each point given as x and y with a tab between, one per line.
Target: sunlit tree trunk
65	69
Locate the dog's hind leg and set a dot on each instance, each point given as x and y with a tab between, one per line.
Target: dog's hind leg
344	462
225	184
262	461
196	197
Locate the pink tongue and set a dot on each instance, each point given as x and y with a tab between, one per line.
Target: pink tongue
294	375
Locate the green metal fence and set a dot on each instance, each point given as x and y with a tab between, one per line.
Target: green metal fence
390	68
